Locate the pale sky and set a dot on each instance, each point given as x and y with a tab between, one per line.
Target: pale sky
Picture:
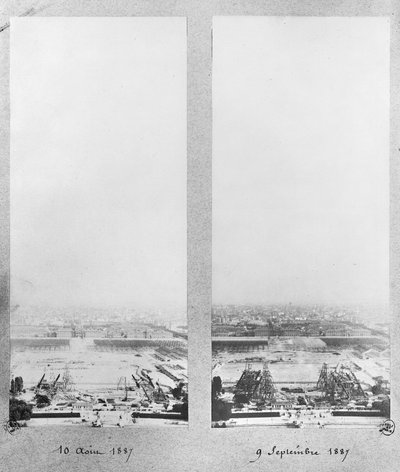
300	160
98	161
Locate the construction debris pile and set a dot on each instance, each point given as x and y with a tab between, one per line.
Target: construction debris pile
254	385
336	386
152	390
142	395
339	383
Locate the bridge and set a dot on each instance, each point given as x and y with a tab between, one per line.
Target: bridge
40	344
177	334
106	344
347	340
251	343
133	343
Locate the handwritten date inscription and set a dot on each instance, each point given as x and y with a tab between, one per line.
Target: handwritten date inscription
89	451
298	451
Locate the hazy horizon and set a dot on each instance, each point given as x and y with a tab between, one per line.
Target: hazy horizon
162	309
300	160
98	161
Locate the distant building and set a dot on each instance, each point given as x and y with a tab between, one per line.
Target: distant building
222	330
161	334
292	331
64	333
27	331
134	332
263	331
359	331
337	330
95	333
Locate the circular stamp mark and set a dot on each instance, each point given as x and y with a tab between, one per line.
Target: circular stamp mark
11	426
387	428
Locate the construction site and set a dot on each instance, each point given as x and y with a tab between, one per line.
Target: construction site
92	383
301	388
